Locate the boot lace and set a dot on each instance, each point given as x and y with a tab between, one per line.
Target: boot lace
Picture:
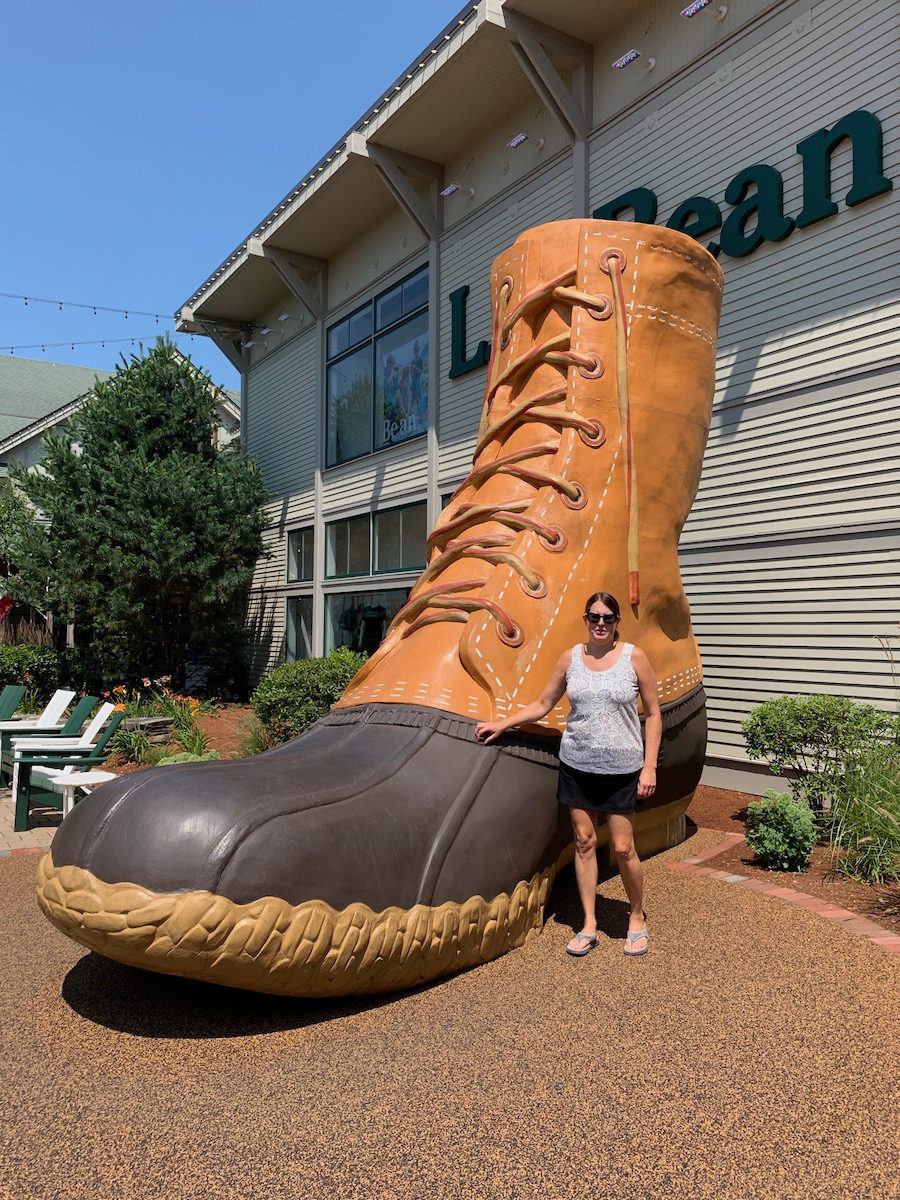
453	601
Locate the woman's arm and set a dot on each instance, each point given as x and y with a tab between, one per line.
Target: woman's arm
646	678
551	695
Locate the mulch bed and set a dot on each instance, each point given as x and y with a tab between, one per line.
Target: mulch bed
715	808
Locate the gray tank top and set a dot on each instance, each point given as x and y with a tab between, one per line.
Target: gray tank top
603	732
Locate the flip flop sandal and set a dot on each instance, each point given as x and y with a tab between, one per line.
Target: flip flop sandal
591	941
631	938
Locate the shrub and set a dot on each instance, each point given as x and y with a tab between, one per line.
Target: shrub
864	822
297	694
35	666
171	760
816	739
781	831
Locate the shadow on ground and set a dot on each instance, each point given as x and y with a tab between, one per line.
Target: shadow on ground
149	1005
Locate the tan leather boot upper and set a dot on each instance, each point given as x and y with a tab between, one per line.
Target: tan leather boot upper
592	436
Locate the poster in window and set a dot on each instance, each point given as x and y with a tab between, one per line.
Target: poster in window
401	364
349	406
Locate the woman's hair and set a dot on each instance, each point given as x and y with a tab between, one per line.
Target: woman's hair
605	598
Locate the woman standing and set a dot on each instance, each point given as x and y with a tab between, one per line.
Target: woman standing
604	764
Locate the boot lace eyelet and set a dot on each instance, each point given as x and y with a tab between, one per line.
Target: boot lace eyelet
535	593
559	541
580	499
510	637
595	370
505	339
602	310
595	438
612	252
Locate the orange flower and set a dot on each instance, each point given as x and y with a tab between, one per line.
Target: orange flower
119	708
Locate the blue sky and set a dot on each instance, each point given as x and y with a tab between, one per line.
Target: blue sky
142	142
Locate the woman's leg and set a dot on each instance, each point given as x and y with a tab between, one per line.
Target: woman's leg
584	826
621	838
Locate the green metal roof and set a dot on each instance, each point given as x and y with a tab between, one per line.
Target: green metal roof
32	388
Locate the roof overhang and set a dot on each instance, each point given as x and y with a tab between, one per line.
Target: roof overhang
466	79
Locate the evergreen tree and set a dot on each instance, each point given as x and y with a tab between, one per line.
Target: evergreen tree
149	532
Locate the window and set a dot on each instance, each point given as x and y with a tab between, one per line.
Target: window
400	535
298	627
377	372
300	554
393	540
360	619
347	547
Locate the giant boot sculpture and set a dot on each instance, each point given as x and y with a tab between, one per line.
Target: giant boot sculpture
386	846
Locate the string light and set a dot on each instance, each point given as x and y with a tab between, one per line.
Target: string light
44	346
95	308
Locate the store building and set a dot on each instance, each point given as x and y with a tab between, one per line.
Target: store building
358	315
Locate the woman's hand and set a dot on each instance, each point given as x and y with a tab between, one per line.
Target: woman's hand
488	731
647	783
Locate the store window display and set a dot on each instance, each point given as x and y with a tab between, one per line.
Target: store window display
359	620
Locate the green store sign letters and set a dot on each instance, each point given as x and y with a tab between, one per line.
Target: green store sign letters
756	197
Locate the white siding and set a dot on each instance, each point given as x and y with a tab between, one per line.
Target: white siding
801	463
373	481
768	619
466	258
281	422
266	606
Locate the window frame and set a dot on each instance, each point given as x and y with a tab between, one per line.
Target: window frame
374	539
299	533
371	341
373	572
296	599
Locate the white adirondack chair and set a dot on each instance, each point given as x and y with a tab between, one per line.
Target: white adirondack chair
84	742
48	719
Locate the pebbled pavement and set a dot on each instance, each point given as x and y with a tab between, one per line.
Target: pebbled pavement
754	1052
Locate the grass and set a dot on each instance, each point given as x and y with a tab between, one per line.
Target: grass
864	822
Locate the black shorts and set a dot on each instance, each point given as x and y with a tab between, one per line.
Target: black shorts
598	793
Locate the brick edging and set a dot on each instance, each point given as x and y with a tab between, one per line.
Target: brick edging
19	851
851	921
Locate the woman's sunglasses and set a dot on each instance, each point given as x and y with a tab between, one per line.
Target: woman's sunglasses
596	618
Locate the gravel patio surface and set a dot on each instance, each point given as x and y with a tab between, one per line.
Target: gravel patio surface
754	1052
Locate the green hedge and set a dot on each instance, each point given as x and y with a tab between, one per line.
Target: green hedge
297	694
815	740
781	831
37	667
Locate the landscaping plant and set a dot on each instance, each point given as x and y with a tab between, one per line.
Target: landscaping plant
781	831
172	760
297	694
154	698
815	740
864	821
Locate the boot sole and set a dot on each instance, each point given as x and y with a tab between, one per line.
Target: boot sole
308	949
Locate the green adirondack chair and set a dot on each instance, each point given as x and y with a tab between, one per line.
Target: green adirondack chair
10	698
82	753
72	727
